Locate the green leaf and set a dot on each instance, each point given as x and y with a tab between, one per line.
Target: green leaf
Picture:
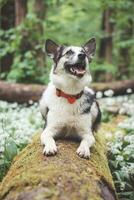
10	149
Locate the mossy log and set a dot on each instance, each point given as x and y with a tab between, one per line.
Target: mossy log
65	176
22	93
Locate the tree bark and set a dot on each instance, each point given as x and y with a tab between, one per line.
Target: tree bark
124	52
106	43
20	11
118	87
65	176
40	11
23	93
6	23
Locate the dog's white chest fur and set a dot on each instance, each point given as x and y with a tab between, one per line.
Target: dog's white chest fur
63	115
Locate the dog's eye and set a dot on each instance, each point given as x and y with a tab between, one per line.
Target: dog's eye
70	52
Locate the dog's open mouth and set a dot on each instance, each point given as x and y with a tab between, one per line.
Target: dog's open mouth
77	69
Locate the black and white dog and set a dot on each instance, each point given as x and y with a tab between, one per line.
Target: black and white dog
68	105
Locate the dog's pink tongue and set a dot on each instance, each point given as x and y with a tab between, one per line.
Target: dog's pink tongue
80	71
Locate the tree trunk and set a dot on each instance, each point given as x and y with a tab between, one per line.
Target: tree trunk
40	11
23	93
106	43
65	176
20	11
6	23
125	58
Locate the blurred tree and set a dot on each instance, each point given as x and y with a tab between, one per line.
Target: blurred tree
6	23
6	8
26	42
20	11
40	9
125	57
68	22
106	42
40	12
125	38
123	18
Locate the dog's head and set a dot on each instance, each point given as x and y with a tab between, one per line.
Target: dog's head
71	60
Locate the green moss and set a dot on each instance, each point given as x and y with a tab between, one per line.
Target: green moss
65	174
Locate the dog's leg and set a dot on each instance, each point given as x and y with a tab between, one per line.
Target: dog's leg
87	141
49	142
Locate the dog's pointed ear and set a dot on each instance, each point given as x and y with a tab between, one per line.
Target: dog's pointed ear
51	48
90	47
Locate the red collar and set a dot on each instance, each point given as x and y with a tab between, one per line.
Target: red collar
71	98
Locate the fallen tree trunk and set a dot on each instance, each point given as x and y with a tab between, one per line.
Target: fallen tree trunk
65	176
118	87
22	93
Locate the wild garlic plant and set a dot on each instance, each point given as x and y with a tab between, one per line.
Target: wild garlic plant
121	146
17	125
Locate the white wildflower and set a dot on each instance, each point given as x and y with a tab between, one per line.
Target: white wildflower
18	122
109	93
119	158
129	90
99	94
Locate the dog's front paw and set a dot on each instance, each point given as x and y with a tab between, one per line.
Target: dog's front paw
83	150
50	149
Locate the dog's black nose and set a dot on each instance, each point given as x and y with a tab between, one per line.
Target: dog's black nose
81	56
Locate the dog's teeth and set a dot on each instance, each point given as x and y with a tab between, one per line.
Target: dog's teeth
72	70
77	71
80	71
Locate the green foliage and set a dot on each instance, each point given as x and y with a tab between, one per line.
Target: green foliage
68	22
98	69
17	124
10	150
77	25
2	2
106	116
25	43
121	161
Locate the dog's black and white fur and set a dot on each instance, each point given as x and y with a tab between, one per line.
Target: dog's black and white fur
70	74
